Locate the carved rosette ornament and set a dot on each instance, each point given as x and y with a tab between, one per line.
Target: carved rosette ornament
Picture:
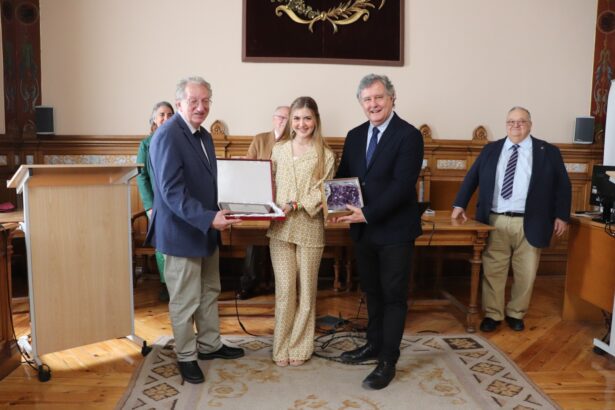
218	130
426	133
345	13
479	135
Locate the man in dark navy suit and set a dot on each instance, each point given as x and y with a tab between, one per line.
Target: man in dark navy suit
525	193
185	227
386	154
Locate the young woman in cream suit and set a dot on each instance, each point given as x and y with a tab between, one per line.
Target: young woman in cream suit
301	161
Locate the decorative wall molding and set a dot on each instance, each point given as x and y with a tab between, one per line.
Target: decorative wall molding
451	164
576	167
90	159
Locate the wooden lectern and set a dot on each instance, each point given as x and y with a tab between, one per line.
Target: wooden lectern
77	229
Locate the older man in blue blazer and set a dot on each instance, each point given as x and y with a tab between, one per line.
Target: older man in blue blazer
185	227
525	193
386	154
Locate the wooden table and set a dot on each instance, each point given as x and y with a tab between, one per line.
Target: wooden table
438	230
590	276
590	272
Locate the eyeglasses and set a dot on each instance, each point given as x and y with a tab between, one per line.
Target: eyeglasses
512	123
193	102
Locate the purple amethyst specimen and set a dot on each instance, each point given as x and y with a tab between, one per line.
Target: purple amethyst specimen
340	193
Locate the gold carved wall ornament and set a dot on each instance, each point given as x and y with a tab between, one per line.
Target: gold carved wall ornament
347	12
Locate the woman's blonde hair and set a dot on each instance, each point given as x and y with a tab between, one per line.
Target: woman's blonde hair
320	145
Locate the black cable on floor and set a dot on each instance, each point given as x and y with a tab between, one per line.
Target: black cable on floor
25	356
241	325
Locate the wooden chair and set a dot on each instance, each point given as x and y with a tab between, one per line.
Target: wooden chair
142	254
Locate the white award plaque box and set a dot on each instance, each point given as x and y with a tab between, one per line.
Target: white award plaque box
245	187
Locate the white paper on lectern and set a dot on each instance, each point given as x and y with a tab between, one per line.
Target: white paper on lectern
246	182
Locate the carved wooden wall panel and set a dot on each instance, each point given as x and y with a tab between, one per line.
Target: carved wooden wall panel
445	164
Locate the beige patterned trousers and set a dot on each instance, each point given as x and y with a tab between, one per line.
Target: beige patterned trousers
296	276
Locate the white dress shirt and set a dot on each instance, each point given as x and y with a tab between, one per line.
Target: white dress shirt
521	183
192	131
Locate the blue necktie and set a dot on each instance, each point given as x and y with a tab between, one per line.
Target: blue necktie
509	174
372	146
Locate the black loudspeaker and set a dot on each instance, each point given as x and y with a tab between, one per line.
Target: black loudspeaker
44	120
584	130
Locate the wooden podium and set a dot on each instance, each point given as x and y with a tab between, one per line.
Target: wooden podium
77	229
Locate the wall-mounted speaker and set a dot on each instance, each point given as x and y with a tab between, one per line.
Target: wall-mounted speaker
584	130
44	120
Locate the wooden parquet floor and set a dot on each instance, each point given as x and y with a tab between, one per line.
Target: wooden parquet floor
556	355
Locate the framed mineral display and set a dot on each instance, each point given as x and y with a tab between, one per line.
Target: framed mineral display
337	193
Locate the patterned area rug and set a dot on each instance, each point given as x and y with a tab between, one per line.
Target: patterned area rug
433	372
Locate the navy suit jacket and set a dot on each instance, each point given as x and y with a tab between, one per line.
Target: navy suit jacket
548	197
388	185
185	191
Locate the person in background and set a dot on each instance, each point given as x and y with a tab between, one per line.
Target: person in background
162	111
186	225
260	148
262	144
386	154
302	160
525	194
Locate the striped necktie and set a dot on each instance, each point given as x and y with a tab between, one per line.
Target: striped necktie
509	174
372	145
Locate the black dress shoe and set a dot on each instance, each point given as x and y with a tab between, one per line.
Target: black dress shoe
225	352
381	376
191	372
489	325
363	353
243	294
515	324
163	296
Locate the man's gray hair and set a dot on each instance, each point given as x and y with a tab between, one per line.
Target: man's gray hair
370	79
518	107
281	107
180	91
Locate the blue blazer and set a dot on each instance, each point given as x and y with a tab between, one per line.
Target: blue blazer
185	192
388	185
548	197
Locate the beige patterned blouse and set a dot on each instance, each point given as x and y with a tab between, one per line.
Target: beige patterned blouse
293	182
